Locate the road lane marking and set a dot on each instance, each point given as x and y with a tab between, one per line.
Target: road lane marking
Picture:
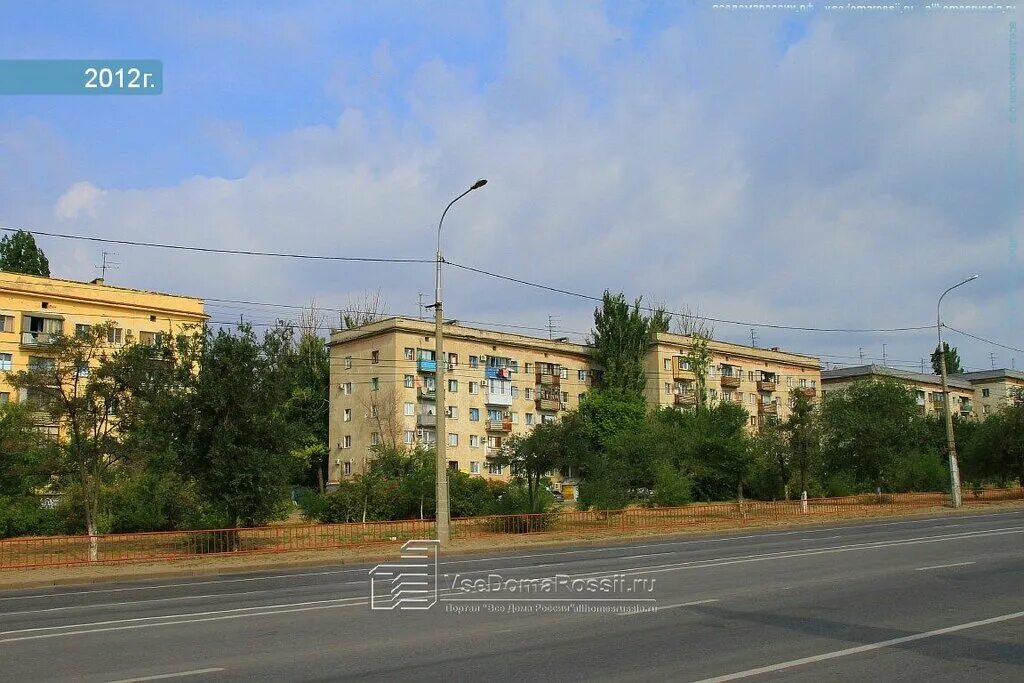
177	674
943	566
781	666
820	538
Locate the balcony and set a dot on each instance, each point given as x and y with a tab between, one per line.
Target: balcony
681	374
730	381
424	365
809	392
37	339
966	408
548	379
427	394
498	399
548	404
686	399
492	451
425	420
499	425
766	385
768	409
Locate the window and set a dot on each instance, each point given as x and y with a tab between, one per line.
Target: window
348	362
684	364
753	421
410	409
564	373
40	364
494	415
580	397
453	386
6	323
789	381
151	338
410	381
582	374
410	353
81	370
668	387
82	330
374	357
409	437
346	442
5	397
528	394
474	387
474	414
348	415
474	362
565	397
515	418
474	441
346	388
375	439
750	376
528	367
374	383
668	363
474	467
453	465
348	467
5	361
453	360
493	468
984	392
373	411
515	391
453	439
452	412
114	335
529	418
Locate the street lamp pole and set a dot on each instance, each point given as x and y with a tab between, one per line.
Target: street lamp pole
443	515
954	468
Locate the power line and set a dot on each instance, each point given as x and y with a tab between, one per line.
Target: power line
982	339
214	250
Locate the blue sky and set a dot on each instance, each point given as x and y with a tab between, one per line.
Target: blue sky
817	168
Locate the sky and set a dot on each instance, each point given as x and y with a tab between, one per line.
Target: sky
815	167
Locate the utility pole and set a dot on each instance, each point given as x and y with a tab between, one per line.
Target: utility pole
954	468
443	517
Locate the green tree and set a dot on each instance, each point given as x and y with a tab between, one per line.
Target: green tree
804	440
26	467
230	428
996	449
19	254
866	428
308	405
699	358
952	360
600	416
532	457
620	339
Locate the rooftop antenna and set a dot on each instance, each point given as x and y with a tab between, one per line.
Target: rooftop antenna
992	360
421	305
753	337
552	319
860	350
922	365
883	354
107	264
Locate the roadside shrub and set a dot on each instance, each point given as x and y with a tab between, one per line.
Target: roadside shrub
515	514
672	488
25	516
922	471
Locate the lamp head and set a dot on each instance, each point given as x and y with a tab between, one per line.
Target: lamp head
480	183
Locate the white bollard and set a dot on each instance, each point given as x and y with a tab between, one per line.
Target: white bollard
803	502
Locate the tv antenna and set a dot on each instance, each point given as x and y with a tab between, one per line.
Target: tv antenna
107	264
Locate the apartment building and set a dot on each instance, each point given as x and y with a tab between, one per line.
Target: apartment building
383	390
35	310
993	389
927	388
763	381
384	377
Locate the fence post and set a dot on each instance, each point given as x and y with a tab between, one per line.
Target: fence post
803	502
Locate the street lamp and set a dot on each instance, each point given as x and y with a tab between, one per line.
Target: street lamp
954	469
443	515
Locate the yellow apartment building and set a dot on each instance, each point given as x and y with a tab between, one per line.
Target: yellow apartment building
35	310
384	374
763	381
993	389
927	388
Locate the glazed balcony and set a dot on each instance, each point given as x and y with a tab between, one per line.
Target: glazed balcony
549	379
425	365
427	393
492	399
38	339
425	420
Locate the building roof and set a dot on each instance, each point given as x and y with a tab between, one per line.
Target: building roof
729	348
860	371
982	375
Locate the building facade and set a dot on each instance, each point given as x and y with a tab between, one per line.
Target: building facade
384	377
927	388
35	310
994	389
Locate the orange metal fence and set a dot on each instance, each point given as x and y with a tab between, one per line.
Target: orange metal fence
55	551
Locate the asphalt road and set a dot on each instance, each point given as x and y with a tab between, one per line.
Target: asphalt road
938	599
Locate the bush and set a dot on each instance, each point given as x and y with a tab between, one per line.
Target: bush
917	472
603	493
516	515
25	516
672	488
145	501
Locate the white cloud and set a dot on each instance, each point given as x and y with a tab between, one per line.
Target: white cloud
81	198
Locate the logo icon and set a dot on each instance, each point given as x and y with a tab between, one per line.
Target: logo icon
410	583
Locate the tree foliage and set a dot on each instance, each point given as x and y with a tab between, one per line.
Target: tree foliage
620	339
20	254
952	360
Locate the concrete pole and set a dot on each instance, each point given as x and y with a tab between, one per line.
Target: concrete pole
954	468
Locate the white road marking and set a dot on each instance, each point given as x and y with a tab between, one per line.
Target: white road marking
820	538
943	566
177	674
300	575
860	648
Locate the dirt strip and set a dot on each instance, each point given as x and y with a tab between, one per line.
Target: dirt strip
223	564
